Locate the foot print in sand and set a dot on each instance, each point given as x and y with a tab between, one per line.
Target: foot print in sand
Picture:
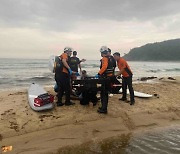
6	113
26	123
27	111
17	93
1	99
1	137
42	117
127	121
14	125
9	117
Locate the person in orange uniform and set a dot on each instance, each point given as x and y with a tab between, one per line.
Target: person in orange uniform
62	77
127	74
106	71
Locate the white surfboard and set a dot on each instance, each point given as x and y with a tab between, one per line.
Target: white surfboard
51	63
138	94
33	92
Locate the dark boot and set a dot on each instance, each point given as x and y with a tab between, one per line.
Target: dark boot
101	111
59	104
100	108
132	103
123	99
94	103
69	103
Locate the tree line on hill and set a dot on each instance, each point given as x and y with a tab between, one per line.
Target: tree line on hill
160	51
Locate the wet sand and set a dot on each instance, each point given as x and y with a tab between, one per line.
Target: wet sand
46	132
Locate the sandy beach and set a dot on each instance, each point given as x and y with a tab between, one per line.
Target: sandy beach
47	132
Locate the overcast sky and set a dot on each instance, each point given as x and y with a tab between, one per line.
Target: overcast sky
40	28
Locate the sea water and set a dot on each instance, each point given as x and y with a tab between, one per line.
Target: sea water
17	73
158	141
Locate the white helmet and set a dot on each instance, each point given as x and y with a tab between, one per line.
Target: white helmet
67	49
104	49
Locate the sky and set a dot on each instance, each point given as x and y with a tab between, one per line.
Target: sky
40	28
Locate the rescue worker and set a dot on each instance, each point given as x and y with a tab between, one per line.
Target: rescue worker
127	75
75	63
62	77
106	71
89	91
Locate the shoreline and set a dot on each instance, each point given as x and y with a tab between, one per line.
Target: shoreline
26	130
135	81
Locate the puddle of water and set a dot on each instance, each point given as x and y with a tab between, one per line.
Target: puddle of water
107	146
166	141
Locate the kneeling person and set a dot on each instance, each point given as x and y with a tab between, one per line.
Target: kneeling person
88	92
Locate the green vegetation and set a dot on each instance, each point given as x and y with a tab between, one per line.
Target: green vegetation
160	51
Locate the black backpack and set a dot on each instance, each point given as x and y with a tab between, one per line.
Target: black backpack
59	64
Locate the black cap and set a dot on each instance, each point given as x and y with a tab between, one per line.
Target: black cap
84	72
74	52
117	54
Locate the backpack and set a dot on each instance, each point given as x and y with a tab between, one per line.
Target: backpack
59	64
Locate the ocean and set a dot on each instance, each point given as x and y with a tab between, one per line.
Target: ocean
20	73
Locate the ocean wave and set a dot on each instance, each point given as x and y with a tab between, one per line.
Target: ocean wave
154	71
173	70
41	78
36	78
90	65
5	81
22	67
164	70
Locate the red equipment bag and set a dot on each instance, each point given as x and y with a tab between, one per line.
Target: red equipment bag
43	100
